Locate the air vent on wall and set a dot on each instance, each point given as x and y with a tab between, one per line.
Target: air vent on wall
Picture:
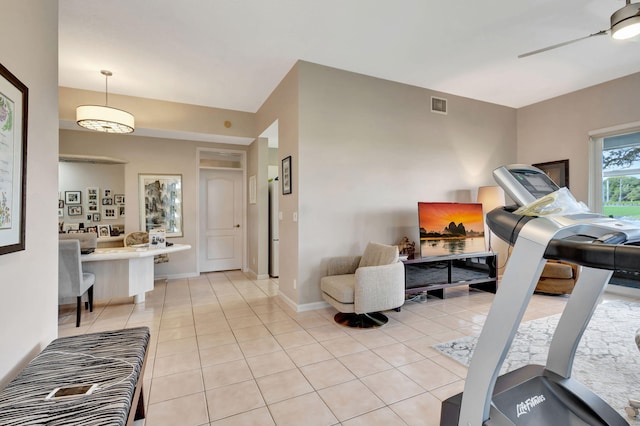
438	105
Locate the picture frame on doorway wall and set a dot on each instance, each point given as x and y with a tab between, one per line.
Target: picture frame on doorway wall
286	176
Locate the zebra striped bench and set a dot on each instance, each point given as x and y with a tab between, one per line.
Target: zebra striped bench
113	360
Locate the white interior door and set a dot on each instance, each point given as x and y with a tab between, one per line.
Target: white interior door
221	242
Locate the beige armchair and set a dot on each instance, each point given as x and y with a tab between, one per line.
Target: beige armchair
361	286
557	278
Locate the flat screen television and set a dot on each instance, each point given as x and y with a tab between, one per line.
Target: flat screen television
450	228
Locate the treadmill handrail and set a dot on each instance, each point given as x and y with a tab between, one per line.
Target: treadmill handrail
612	257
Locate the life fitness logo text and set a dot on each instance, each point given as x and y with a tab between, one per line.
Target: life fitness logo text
525	407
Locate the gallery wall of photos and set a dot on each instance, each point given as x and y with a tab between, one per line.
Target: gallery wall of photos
91	210
91	198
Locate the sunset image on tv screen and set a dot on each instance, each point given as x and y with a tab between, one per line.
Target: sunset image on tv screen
450	228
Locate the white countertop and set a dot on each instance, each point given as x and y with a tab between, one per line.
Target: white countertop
116	253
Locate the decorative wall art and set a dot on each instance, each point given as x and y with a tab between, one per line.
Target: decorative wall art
118	199
252	189
109	213
92	199
14	99
558	171
74	210
286	176
72	197
160	198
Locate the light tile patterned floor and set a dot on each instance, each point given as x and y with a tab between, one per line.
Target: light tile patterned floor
225	350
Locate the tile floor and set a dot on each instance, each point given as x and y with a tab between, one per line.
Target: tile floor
225	351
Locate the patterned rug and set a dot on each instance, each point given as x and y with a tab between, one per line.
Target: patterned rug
607	360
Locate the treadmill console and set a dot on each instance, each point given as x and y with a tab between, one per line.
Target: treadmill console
524	183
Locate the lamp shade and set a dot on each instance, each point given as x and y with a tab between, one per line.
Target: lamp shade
104	119
625	22
490	197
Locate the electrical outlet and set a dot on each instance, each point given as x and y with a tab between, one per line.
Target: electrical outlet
279	215
295	216
295	284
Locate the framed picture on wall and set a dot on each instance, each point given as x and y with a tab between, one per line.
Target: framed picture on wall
558	171
72	197
109	213
118	199
97	217
74	210
286	176
14	97
161	203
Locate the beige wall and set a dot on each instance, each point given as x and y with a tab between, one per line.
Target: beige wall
558	128
282	105
258	213
29	285
162	115
364	152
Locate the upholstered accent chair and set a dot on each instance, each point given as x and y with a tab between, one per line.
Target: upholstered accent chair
557	278
359	287
72	282
142	237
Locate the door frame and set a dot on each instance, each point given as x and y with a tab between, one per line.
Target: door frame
201	153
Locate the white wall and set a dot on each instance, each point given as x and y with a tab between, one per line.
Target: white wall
28	283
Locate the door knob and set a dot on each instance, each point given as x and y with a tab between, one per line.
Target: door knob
237	226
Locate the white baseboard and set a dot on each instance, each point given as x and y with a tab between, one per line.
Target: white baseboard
176	276
302	308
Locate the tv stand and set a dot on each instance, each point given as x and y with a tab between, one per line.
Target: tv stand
433	274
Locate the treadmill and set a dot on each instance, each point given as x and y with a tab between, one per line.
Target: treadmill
535	394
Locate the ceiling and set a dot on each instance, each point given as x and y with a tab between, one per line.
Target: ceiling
232	54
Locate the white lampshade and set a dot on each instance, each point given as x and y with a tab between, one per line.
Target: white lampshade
625	22
104	119
490	197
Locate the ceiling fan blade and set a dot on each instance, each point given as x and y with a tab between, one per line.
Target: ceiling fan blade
555	46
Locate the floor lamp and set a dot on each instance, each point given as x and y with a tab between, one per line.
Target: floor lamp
490	197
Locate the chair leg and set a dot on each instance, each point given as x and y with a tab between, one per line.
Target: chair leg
90	299
78	310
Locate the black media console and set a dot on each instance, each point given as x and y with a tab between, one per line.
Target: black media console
435	273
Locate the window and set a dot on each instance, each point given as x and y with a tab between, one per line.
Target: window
615	178
621	176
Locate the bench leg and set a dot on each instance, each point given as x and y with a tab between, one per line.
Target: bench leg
140	407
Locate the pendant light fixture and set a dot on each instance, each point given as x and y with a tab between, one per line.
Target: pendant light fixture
105	118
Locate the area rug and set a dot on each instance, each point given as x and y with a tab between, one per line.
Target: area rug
607	360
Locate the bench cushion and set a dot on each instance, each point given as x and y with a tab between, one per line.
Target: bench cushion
111	359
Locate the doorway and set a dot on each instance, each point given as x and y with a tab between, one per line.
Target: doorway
221	233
